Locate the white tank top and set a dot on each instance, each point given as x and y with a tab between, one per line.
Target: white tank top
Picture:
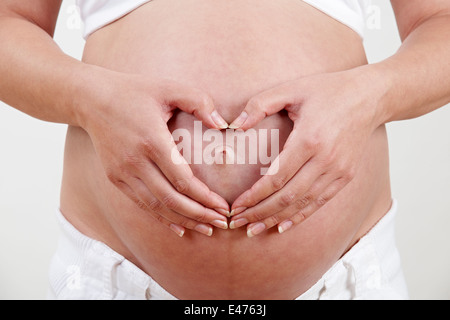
98	13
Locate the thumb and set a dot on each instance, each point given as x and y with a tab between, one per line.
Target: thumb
195	102
263	105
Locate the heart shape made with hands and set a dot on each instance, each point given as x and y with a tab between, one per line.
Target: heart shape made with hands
191	128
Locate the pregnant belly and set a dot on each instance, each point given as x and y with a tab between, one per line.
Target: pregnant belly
230	161
232	50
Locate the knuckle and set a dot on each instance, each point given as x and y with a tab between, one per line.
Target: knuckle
257	216
312	144
330	159
299	217
187	223
110	174
350	175
273	220
304	201
322	200
149	148
170	201
160	219
181	185
141	204
278	183
346	173
287	199
205	100
202	216
154	205
256	104
251	197
341	168
196	111
131	160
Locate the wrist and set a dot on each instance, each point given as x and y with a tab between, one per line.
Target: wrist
91	89
377	83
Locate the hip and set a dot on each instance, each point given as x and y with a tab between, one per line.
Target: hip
83	268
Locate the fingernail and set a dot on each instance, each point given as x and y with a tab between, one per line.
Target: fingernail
220	224
286	225
238	223
239	121
218	120
204	229
177	229
223	211
237	211
255	229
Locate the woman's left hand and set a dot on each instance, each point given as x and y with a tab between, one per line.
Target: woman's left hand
334	115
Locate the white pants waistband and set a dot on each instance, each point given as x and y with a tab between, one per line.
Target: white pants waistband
85	269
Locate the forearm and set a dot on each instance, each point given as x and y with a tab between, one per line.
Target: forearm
36	77
414	81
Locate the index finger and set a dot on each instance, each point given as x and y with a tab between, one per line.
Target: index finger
195	102
266	104
175	168
293	157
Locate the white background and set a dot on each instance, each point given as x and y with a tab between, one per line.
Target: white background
31	157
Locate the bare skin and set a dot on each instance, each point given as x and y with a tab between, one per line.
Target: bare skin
228	265
233	54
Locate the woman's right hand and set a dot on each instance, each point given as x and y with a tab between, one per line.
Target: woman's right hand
126	119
